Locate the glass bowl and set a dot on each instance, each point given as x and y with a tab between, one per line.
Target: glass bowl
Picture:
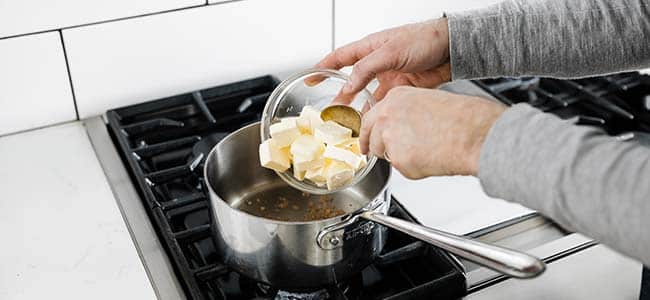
288	99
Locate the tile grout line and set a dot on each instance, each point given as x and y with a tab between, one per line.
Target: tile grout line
27	34
207	3
333	25
67	66
35	128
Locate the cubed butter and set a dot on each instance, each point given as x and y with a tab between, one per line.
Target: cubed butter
332	133
309	119
338	174
298	173
364	162
316	175
285	132
335	153
301	166
308	164
307	147
352	144
274	157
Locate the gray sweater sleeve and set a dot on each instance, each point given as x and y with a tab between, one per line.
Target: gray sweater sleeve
582	178
585	180
558	38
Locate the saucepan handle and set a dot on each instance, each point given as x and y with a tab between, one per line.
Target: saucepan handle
503	260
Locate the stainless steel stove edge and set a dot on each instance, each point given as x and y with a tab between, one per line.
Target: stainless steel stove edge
152	254
533	234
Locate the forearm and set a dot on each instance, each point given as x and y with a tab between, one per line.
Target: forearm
558	38
578	176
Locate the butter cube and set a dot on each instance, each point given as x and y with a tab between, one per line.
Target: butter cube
301	166
332	133
298	174
338	174
309	119
335	153
307	147
352	144
364	162
274	157
320	183
316	175
304	164
285	132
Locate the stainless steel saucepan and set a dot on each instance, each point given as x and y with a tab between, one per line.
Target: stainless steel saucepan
273	233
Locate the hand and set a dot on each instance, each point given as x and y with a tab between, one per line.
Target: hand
429	132
414	54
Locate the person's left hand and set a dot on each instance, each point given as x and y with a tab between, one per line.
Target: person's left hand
428	132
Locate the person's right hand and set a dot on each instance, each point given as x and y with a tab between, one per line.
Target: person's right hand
414	55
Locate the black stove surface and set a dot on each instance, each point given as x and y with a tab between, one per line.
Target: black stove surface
619	103
163	143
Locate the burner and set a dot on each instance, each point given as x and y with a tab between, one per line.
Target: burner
164	143
203	147
318	295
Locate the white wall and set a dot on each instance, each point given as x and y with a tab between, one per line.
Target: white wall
172	53
70	59
34	86
355	19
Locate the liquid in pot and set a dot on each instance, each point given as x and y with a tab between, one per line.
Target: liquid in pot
284	203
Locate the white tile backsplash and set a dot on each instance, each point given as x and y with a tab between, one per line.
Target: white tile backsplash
19	17
119	63
34	86
356	19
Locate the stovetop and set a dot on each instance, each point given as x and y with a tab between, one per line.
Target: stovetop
163	143
619	103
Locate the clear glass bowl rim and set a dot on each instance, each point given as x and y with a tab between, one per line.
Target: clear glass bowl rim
272	106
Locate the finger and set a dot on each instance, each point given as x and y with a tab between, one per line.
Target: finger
367	123
366	69
341	57
431	78
314	80
366	108
376	143
342	98
381	91
346	55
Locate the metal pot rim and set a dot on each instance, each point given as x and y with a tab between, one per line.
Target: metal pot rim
232	135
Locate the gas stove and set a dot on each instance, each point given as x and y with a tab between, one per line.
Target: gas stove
164	143
152	154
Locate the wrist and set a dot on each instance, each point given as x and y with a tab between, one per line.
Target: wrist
486	114
438	35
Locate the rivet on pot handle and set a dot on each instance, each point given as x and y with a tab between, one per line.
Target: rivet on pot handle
331	237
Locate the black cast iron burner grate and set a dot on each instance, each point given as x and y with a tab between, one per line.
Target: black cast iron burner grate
619	103
164	142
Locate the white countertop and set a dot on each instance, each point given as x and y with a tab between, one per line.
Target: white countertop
597	273
456	204
63	234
